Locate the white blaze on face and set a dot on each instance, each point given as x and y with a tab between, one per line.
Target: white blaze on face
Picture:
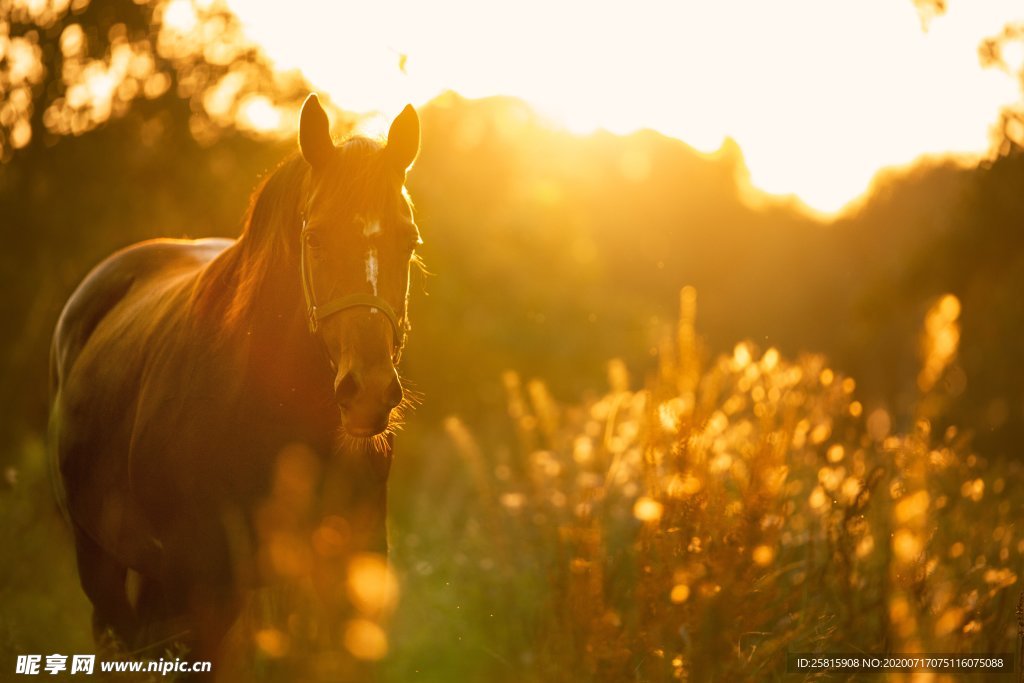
371	228
371	269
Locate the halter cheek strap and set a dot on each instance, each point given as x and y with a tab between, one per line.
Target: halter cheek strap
317	313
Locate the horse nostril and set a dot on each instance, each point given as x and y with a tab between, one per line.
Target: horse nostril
347	388
394	394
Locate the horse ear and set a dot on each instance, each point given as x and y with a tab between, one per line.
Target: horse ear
315	133
404	139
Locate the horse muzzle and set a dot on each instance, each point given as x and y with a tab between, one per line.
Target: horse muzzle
366	399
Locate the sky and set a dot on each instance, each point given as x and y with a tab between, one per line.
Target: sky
820	95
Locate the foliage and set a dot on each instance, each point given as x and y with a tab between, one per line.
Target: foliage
69	66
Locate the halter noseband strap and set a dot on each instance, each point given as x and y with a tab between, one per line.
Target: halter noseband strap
316	313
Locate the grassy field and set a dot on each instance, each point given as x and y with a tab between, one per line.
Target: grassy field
696	525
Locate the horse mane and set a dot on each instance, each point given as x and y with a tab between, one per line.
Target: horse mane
273	221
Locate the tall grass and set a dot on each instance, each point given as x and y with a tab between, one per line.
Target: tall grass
701	526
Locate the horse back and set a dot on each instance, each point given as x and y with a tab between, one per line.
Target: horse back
114	281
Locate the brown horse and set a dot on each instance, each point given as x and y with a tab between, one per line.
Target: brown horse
182	371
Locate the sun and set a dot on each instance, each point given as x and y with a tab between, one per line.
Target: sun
819	95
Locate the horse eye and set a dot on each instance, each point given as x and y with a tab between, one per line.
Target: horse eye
313	240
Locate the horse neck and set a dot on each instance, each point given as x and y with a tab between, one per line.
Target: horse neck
260	308
284	353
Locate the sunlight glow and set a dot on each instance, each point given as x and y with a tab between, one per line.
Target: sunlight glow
257	113
820	95
179	15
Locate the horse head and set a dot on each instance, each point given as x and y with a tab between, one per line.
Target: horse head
358	242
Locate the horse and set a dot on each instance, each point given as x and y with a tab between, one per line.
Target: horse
190	378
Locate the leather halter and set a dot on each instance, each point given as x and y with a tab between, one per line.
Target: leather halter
317	313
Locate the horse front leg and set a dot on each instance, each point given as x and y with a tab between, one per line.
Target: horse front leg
200	595
103	579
